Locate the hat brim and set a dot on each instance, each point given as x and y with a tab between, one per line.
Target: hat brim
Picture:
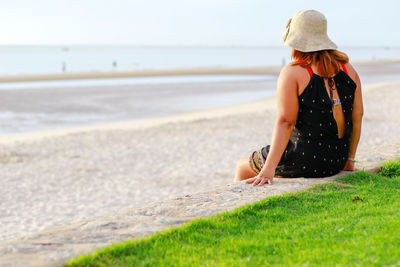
305	44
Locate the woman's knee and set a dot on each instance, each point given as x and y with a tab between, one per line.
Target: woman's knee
242	163
243	170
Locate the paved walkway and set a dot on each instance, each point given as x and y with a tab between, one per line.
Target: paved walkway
57	245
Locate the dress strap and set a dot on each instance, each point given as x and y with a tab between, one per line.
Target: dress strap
344	68
308	67
310	71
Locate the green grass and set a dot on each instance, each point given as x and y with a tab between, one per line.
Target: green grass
390	168
324	225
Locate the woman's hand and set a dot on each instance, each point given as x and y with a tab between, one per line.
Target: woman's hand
349	166
264	177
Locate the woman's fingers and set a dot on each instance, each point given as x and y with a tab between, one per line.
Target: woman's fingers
263	181
251	180
258	181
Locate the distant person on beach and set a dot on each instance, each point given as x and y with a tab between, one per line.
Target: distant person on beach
319	113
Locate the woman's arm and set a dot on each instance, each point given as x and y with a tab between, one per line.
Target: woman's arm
358	111
287	109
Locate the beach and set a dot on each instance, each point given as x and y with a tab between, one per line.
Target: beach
57	177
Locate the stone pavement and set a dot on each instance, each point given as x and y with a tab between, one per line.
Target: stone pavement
57	245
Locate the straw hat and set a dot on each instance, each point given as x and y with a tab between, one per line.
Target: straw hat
306	32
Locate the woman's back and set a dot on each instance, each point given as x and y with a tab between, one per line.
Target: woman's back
319	109
303	80
319	142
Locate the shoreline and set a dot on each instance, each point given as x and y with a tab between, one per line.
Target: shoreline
257	70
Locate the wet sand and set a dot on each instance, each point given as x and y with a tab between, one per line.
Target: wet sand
38	109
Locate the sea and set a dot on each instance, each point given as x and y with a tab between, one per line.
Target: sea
34	60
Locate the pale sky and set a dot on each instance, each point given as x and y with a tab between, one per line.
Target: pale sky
190	22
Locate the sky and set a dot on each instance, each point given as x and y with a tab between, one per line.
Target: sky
190	22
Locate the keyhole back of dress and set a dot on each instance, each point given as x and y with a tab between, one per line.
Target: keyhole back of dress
336	109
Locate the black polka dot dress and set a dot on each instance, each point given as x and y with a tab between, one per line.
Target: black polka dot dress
314	148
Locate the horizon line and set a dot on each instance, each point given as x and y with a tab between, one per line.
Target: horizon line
181	45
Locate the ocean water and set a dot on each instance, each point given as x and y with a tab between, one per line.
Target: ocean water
17	60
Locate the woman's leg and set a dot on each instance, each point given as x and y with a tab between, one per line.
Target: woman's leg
243	170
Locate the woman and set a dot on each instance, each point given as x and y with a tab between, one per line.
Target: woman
319	113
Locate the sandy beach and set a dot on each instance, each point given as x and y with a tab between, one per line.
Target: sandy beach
58	177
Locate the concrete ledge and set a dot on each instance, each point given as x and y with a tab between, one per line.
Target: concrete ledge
57	245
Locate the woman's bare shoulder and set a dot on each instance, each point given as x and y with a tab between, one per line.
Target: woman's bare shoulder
293	71
352	73
293	77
